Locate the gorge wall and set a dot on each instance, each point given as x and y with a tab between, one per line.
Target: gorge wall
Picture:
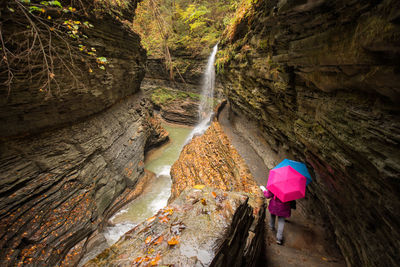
71	153
319	80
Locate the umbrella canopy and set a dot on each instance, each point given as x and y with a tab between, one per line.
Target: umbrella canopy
286	183
298	166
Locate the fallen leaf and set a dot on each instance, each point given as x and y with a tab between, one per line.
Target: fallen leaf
325	259
214	194
203	201
149	220
164	219
155	261
159	240
199	186
173	241
148	239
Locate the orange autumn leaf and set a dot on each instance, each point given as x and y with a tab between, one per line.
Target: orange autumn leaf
214	194
173	241
138	259
164	219
155	261
148	239
149	220
159	240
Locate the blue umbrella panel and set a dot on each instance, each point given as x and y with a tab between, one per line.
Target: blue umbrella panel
298	166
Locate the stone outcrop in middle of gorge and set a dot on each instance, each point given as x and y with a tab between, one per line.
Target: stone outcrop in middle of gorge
211	160
320	80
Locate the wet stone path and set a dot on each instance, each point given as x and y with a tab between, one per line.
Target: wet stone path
304	244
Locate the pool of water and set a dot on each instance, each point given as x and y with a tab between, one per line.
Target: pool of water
156	195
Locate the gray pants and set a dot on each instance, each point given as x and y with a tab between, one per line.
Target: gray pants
281	224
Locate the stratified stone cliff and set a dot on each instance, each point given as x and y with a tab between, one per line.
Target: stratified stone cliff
77	87
68	156
320	80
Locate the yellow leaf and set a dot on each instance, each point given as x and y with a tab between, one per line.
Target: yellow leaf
325	259
48	17
199	186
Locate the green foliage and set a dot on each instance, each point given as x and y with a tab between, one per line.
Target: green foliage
181	25
162	96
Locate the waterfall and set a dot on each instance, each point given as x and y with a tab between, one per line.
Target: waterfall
207	97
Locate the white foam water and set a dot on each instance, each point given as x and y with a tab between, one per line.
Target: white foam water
207	97
113	233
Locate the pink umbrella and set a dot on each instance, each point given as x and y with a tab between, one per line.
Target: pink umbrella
286	183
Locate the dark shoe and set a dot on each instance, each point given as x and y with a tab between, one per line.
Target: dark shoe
279	242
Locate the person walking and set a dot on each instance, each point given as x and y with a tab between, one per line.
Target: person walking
279	209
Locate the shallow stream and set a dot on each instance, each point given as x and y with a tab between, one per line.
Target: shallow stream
157	193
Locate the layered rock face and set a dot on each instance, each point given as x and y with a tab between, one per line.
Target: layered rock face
188	79
212	219
77	87
58	187
71	155
320	81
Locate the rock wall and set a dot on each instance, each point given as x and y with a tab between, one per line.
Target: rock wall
58	187
69	156
189	79
79	87
320	81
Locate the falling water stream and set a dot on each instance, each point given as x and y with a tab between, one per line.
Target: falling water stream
160	162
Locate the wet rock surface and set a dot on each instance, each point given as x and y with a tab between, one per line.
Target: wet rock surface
317	82
202	227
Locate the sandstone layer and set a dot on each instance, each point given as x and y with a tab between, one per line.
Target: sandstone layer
319	80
